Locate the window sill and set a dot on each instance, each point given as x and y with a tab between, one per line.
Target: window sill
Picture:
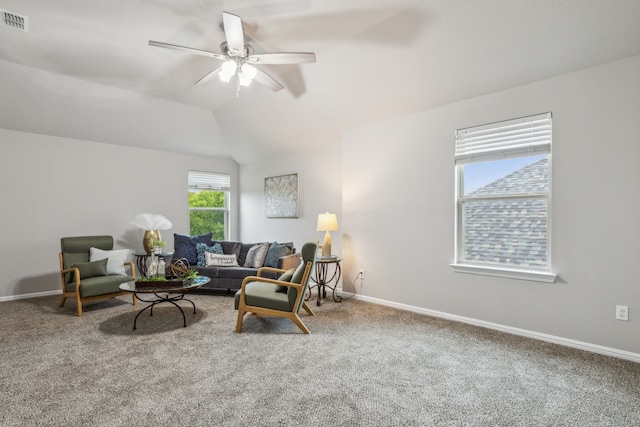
536	276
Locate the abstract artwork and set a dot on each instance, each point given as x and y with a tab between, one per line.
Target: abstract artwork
281	196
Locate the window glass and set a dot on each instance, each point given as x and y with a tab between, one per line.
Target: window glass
209	204
506	232
487	177
207	213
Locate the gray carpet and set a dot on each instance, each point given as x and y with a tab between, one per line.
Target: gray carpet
363	365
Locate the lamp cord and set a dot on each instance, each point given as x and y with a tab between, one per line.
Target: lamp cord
353	285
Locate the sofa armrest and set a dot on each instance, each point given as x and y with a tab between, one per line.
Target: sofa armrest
288	262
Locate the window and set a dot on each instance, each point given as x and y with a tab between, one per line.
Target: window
503	199
209	204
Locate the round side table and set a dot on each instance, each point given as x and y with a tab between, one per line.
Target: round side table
322	280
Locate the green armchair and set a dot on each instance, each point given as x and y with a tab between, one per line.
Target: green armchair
90	269
281	297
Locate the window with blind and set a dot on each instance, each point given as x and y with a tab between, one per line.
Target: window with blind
209	204
503	199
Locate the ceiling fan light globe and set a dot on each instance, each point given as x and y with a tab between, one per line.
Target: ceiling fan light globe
244	80
227	71
246	74
249	71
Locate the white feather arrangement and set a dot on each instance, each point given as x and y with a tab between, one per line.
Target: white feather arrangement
148	221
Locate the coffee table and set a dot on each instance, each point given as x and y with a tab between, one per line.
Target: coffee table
159	292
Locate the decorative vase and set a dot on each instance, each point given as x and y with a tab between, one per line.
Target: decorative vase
147	240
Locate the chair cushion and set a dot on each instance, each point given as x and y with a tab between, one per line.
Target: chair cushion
202	249
285	277
83	243
92	268
185	246
262	294
100	285
276	250
256	255
115	259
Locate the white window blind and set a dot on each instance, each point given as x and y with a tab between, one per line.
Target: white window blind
512	138
209	181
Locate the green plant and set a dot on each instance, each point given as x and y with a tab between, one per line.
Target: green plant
190	274
156	243
158	278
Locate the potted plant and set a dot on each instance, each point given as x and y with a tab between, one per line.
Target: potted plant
157	246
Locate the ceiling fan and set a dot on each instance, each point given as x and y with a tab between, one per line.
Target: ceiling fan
239	57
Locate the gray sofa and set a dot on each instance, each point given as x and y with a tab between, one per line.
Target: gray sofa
230	278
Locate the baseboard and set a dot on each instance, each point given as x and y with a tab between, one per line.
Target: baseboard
32	295
594	348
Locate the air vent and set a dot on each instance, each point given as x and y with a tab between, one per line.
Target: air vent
15	21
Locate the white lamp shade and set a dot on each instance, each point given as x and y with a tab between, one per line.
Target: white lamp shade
327	222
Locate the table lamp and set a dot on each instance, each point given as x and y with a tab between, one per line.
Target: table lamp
327	222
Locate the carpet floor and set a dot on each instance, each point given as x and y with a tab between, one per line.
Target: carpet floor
362	365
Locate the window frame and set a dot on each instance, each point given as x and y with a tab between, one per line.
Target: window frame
462	265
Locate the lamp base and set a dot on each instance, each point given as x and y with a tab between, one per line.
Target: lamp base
326	248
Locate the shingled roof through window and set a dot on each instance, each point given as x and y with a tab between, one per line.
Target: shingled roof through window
512	232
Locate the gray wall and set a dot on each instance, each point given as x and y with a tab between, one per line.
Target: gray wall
398	209
320	190
54	187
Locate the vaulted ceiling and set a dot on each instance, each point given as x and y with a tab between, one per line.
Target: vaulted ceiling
84	69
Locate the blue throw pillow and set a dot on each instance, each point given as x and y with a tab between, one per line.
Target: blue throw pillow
185	246
202	249
276	250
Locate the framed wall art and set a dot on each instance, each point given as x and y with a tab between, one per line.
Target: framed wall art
281	198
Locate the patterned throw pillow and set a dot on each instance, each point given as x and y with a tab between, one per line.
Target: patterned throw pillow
220	260
256	255
202	249
185	246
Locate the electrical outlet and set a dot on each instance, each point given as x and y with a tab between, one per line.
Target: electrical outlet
361	274
622	312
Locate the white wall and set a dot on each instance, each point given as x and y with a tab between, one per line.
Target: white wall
398	209
54	187
320	190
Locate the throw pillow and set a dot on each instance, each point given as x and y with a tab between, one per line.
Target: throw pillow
202	248
92	269
276	250
256	255
115	259
220	260
286	277
230	247
298	274
185	246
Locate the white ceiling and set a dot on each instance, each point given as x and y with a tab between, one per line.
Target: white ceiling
85	69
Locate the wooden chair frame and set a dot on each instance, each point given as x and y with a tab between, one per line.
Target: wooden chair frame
243	308
76	293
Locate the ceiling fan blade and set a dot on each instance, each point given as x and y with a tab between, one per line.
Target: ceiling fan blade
209	77
282	58
265	79
188	49
233	32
